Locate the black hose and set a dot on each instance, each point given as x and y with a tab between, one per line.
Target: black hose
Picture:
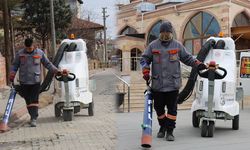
72	47
220	44
188	89
48	78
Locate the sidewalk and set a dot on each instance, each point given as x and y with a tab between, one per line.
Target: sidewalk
19	108
84	132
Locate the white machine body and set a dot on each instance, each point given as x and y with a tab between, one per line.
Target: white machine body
224	99
76	62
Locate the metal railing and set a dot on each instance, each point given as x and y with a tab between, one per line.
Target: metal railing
128	86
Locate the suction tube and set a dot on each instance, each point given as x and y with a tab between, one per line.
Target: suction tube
188	89
47	81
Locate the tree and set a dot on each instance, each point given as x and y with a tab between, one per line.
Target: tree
11	4
36	18
6	7
6	23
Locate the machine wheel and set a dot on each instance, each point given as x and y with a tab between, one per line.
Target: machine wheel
91	109
195	120
204	128
67	115
210	131
57	111
235	122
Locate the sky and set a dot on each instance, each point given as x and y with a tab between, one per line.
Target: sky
93	8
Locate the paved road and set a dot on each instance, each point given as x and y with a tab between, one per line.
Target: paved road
83	133
187	137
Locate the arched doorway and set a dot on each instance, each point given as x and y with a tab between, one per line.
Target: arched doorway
240	31
155	31
135	56
198	29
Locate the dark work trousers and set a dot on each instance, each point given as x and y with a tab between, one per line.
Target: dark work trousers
161	100
31	95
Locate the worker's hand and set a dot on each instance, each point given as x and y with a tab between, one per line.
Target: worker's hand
12	76
58	73
145	73
201	66
63	72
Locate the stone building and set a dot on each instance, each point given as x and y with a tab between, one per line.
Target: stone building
194	21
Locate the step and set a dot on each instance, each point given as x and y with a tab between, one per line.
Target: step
134	97
135	106
141	109
134	90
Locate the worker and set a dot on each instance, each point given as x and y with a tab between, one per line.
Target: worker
28	61
164	55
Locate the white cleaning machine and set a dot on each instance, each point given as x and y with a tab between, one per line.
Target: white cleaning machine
216	89
75	93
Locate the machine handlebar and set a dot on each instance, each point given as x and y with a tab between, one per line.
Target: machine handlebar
66	77
212	67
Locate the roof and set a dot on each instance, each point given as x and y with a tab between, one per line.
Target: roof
84	24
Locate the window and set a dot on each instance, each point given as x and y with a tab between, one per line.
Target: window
155	31
128	30
135	56
198	29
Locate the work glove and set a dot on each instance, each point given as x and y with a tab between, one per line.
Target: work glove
58	73
64	72
201	66
145	73
12	76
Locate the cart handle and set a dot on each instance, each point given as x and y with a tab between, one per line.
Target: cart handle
66	77
212	67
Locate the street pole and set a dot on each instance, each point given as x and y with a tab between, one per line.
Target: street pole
53	34
6	38
105	34
142	14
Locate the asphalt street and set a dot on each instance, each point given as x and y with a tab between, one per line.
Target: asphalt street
187	137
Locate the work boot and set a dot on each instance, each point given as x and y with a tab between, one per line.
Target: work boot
33	123
170	136
162	132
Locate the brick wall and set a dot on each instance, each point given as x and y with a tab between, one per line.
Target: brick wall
2	72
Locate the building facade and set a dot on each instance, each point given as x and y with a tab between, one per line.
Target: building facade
193	22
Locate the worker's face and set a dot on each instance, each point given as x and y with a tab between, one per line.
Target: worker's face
166	36
30	49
